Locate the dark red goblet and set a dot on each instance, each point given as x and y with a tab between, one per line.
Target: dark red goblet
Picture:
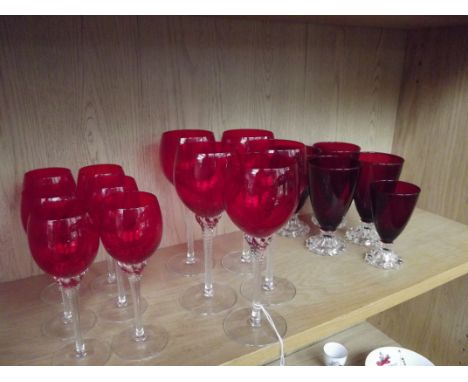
238	141
332	182
185	263
375	166
199	178
64	243
393	203
260	197
131	231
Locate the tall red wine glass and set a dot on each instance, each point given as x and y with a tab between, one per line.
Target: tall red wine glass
63	242
332	182
199	178
184	263
392	203
87	176
238	140
260	196
131	230
277	290
375	166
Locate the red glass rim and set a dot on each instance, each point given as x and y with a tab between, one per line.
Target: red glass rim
329	147
380	158
334	162
30	177
234	136
187	133
395	187
276	145
101	169
130	200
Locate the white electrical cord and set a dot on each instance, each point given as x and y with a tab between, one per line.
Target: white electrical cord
280	339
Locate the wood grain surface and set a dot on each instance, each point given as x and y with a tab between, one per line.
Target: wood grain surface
333	293
81	90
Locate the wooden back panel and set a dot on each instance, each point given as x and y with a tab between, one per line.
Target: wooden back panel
81	90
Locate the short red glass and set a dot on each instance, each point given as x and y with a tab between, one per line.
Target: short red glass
199	178
183	263
259	197
332	182
393	203
64	243
375	166
131	230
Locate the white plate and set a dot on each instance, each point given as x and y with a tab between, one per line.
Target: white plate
395	356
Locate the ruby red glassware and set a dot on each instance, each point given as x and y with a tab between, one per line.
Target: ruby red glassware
64	243
375	166
131	230
238	141
260	196
393	203
277	290
199	178
332	182
186	263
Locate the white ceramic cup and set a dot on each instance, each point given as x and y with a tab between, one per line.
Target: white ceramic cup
334	354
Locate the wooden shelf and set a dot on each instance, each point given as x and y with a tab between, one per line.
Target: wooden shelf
332	294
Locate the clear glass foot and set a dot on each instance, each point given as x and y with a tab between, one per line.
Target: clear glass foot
97	354
232	261
325	244
384	258
364	234
110	310
182	265
294	228
61	327
194	300
279	291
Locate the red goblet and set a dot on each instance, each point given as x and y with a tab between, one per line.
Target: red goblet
260	196
332	181
86	178
199	178
393	203
238	141
185	263
43	183
374	167
131	231
64	243
277	290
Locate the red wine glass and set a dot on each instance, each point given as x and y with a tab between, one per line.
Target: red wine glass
346	149
86	178
119	307
332	182
375	166
184	263
277	290
260	196
199	178
63	242
43	182
131	231
392	204
238	141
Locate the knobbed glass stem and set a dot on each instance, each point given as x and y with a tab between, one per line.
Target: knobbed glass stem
135	281
189	229
71	293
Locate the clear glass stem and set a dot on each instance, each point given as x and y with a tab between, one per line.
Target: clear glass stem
258	247
72	297
110	269
294	221
134	281
121	295
189	216
67	313
208	234
245	256
268	283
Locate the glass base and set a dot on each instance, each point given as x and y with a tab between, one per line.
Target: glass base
110	311
340	226
283	291
294	228
178	264
238	328
97	353
325	245
194	300
102	285
125	346
58	327
383	258
364	234
232	262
